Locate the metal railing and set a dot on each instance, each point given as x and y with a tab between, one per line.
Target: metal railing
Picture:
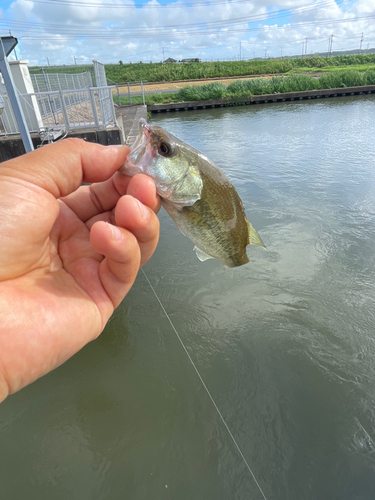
47	82
62	109
129	90
8	124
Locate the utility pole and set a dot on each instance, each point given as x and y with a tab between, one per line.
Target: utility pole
163	55
330	41
48	62
7	44
281	51
240	51
75	60
360	46
305	46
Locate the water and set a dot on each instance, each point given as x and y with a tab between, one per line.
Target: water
286	344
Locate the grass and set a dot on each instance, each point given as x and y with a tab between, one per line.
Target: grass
149	98
259	86
330	69
158	72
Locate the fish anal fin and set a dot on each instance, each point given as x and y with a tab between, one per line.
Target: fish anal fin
202	255
254	238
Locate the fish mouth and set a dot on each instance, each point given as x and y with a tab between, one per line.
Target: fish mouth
143	134
141	152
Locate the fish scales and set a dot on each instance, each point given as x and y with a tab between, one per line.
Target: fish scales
196	194
219	216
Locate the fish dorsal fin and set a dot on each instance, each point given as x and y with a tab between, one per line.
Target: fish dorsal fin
254	238
202	255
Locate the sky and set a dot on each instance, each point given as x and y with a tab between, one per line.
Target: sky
60	32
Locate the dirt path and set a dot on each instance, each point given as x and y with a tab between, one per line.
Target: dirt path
155	87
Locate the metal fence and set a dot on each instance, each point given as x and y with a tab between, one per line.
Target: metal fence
133	92
105	98
47	82
62	109
8	124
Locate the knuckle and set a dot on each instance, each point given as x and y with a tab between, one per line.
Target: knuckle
74	141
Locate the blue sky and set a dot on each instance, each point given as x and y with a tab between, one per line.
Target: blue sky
64	31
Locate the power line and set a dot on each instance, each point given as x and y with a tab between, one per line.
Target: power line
210	24
114	33
136	5
106	5
195	25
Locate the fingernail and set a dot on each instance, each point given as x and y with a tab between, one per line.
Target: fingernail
117	234
115	145
144	210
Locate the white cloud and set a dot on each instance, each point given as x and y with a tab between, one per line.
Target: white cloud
117	24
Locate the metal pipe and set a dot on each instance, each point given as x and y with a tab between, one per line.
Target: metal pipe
10	43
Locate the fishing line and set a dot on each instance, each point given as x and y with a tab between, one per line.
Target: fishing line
206	388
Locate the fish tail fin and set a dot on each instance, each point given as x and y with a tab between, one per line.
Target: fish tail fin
254	238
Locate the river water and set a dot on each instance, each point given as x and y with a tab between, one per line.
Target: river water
285	345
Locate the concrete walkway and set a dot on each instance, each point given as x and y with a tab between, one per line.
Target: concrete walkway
128	119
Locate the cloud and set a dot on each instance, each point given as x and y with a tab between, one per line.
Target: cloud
211	31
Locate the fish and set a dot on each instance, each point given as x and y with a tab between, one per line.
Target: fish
197	195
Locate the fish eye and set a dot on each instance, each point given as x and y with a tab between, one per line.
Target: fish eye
164	149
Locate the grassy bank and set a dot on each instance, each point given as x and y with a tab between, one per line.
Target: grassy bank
331	69
259	86
158	72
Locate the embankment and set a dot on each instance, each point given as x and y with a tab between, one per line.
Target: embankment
262	99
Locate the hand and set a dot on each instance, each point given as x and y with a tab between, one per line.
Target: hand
68	253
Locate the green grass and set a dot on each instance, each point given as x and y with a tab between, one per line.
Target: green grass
259	86
158	72
330	69
149	98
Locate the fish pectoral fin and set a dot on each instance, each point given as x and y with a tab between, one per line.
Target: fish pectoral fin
254	238
202	255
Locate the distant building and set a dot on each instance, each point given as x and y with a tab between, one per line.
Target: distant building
193	59
170	60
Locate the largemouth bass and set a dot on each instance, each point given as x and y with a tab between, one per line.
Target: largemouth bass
196	194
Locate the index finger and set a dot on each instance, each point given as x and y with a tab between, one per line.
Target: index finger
98	199
60	168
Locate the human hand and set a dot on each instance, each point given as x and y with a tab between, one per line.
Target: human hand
64	264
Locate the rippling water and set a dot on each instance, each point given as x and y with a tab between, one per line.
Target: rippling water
286	344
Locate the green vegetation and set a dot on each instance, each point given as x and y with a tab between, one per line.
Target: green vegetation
259	86
150	98
330	69
158	72
295	83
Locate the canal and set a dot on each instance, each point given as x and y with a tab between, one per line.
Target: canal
284	345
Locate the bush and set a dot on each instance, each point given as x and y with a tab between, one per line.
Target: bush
214	90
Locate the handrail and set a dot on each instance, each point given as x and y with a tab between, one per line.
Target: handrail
72	91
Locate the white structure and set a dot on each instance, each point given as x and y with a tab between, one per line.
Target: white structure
57	109
23	83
